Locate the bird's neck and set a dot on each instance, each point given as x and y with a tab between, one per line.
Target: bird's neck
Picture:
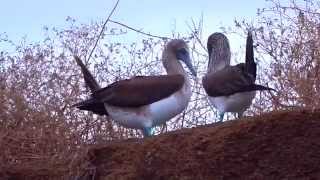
219	59
215	66
173	66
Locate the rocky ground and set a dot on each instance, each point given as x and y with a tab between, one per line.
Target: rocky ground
278	145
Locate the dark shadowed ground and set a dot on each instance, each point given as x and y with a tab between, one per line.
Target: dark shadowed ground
278	145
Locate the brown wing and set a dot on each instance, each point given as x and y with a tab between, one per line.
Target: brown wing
139	91
230	80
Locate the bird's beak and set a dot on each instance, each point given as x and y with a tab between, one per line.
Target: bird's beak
191	68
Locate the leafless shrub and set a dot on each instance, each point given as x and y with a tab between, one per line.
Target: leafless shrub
287	39
35	142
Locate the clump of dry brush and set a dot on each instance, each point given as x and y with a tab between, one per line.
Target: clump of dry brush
35	143
288	39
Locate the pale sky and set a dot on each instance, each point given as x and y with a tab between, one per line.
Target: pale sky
27	17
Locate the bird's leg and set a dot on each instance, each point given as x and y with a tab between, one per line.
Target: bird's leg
240	114
221	115
147	131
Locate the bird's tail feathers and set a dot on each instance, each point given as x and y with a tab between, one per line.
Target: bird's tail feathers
251	66
261	88
88	78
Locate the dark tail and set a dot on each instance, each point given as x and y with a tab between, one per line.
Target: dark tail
257	87
92	105
251	66
88	78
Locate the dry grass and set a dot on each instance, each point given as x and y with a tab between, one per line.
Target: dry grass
35	143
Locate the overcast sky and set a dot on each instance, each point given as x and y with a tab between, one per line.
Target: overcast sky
27	17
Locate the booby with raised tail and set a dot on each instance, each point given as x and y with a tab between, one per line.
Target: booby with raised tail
143	102
230	88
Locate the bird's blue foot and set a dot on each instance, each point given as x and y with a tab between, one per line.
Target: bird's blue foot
148	131
221	115
240	114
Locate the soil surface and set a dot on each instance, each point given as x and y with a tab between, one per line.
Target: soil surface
278	145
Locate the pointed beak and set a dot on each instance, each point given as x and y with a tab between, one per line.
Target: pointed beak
190	66
184	56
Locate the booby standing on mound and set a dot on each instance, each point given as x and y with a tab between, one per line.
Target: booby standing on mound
143	102
230	88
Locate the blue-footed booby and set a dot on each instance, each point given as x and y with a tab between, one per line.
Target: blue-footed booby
230	88
143	102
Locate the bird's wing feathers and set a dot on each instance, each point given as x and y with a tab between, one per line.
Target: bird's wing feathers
139	91
230	80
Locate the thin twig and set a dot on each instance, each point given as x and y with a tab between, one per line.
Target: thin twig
104	25
138	31
195	32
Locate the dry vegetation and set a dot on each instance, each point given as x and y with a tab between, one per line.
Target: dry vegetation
40	134
288	39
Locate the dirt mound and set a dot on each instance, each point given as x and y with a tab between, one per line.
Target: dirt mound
282	145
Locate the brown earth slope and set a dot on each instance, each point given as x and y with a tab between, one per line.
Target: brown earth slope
282	145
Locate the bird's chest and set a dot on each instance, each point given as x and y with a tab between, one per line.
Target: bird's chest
166	109
234	103
153	114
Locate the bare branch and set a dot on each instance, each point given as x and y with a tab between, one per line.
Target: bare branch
104	25
139	31
195	32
